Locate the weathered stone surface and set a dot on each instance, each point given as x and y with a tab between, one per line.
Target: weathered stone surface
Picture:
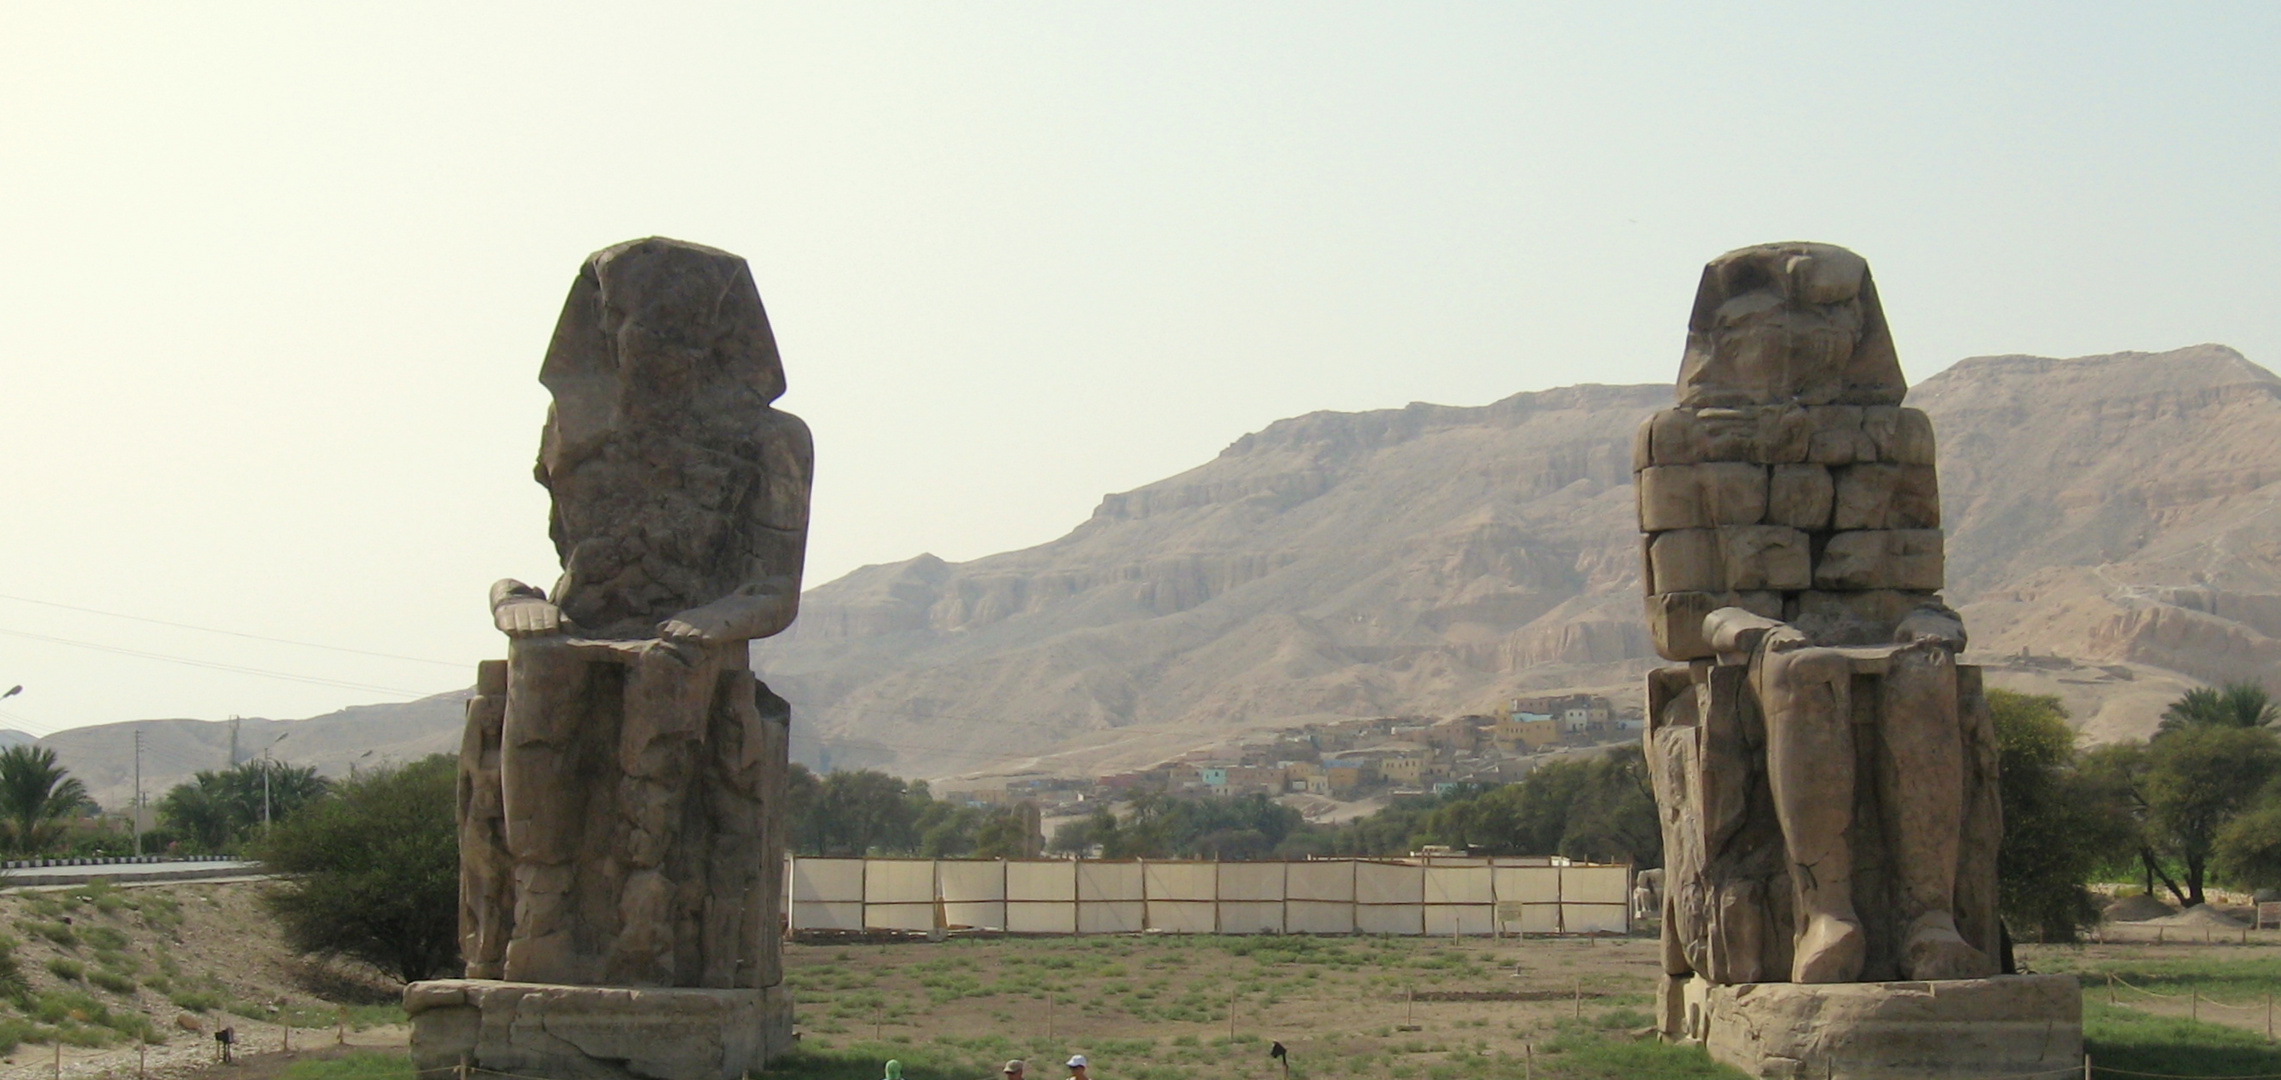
1800	496
1734	558
1943	1030
1788	322
1825	774
1675	619
1672	437
1853	618
1880	496
1881	559
622	772
1700	496
604	1033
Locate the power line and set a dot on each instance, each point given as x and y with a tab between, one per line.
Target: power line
232	633
213	665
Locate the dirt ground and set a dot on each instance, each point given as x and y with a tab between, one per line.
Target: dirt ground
110	966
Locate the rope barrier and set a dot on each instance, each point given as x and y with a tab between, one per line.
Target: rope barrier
2205	998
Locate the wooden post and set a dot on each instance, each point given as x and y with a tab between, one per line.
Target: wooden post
2110	988
142	1060
2194	1006
2086	1066
2269	1016
340	1017
288	1037
1231	1014
1049	1016
463	1067
59	1059
1528	1061
1580	999
1409	1006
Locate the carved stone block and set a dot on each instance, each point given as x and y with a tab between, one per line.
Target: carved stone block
1901	435
1734	558
1852	618
1675	619
2010	1025
1701	496
1800	496
1880	496
1672	437
1881	559
596	1032
1838	438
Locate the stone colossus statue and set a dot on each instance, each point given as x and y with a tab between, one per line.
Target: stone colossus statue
1824	769
619	809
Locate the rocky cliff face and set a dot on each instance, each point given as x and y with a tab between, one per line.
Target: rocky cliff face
2111	510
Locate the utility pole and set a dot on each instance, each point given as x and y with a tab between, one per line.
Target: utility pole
138	808
233	742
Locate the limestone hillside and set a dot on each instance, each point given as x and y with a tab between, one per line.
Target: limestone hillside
2112	515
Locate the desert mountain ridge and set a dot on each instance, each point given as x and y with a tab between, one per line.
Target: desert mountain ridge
2108	515
2111	540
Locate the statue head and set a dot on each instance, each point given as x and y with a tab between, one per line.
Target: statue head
1792	323
659	333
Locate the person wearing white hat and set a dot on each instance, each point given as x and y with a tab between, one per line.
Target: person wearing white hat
1015	1068
1077	1067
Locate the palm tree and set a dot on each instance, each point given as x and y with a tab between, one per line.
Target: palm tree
36	794
199	809
2236	705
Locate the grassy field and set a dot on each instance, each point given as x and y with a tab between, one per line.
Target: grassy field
1156	1008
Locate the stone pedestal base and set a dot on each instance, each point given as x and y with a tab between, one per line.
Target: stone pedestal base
597	1032
1960	1028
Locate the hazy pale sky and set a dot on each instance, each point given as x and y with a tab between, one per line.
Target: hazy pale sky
276	279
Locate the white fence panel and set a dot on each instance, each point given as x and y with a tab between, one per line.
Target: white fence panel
1447	919
1112	916
1118	881
975	915
1388	883
1325	879
899	881
1459	885
1527	884
1390	918
1595	884
827	881
1183	916
918	917
832	915
1182	881
1257	881
966	881
1318	917
1251	916
1041	917
1324	896
1051	879
1595	918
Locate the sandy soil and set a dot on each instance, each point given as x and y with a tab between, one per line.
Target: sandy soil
208	945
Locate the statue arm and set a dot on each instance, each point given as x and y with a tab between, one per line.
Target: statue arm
758	609
520	610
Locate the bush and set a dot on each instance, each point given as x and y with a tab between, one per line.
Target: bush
67	970
114	982
373	872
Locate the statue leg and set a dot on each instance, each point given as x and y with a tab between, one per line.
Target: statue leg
1806	694
668	701
546	680
1922	777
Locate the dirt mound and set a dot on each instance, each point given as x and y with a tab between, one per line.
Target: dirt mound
2200	915
2138	908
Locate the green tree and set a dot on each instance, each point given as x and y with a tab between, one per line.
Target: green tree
1002	834
2060	823
2197	778
2249	846
198	809
862	811
36	797
2237	704
372	872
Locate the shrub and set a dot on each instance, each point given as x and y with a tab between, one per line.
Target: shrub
67	970
373	872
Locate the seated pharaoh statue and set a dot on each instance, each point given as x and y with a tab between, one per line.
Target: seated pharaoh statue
1824	768
618	819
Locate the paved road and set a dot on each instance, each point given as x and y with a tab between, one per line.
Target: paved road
170	870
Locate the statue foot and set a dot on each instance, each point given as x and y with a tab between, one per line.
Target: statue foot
1830	951
1933	949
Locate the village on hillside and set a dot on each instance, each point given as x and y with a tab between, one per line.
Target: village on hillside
1346	760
